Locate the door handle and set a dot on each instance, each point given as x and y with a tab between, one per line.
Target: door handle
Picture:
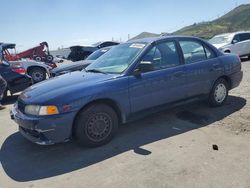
179	73
215	67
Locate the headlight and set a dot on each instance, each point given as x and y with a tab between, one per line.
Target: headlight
41	110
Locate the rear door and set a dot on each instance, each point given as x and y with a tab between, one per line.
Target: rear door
164	84
202	67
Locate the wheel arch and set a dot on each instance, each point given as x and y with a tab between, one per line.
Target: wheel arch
36	66
228	80
227	51
109	102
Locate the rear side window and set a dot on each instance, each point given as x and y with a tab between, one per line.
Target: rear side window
194	51
209	53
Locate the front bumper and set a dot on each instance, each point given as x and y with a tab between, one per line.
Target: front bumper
44	130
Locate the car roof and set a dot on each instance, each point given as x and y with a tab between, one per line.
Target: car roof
232	34
7	45
154	39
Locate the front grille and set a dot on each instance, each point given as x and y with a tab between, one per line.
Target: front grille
21	106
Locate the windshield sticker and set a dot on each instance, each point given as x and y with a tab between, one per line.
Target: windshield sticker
137	45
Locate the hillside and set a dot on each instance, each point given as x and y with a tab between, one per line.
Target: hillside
144	35
236	20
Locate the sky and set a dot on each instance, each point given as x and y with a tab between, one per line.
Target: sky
63	23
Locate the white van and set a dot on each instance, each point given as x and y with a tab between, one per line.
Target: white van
237	43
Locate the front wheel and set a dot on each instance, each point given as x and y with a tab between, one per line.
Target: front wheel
96	125
219	93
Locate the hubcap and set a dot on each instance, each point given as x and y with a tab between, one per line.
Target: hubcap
99	127
37	76
220	93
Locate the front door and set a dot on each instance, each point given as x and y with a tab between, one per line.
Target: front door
164	83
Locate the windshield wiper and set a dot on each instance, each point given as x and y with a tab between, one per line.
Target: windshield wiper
95	71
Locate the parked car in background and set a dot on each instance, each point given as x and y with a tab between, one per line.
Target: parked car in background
37	70
58	59
82	52
132	79
105	44
78	65
237	43
16	81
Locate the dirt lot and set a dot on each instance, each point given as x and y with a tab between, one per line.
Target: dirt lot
168	149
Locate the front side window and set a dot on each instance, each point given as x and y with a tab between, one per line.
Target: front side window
244	36
236	39
162	55
192	51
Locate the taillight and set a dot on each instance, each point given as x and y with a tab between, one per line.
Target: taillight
19	70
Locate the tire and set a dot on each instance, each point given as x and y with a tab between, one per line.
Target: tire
227	52
37	58
49	58
96	125
37	74
219	93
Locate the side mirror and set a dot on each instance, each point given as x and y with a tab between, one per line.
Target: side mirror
144	66
234	41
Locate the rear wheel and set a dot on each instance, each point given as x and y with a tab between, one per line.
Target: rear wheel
219	93
96	125
37	74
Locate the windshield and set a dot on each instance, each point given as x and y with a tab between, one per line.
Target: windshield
97	54
117	59
220	39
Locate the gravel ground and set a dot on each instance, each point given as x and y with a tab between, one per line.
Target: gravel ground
169	149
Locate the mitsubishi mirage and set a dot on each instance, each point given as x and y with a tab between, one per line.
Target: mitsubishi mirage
133	78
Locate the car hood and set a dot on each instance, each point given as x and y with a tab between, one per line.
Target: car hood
63	87
68	66
220	45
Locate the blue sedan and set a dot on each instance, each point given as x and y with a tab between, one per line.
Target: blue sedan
131	79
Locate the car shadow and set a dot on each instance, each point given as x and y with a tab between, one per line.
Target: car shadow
24	161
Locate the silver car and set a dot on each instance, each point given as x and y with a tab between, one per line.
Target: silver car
237	43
